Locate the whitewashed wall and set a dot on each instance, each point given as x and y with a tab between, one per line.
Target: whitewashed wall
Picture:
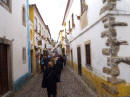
123	33
43	32
94	34
12	28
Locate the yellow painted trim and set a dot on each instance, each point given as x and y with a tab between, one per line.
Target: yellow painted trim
95	81
62	38
31	16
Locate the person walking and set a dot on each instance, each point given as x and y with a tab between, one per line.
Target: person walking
42	62
50	79
46	60
64	58
59	66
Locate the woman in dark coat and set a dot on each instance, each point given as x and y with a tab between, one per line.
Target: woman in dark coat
50	80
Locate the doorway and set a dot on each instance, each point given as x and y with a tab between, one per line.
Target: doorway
4	87
72	58
79	60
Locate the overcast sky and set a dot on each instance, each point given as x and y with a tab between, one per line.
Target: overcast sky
52	12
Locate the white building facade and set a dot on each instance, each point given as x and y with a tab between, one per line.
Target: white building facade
39	36
13	44
98	34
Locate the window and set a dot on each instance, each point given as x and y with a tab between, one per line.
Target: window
24	55
39	42
42	31
69	27
6	4
35	24
73	25
88	54
24	16
82	6
39	28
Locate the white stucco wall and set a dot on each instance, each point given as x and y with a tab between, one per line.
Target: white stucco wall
94	35
43	31
123	34
12	28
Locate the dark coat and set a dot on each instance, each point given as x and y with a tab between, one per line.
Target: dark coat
45	65
59	67
50	79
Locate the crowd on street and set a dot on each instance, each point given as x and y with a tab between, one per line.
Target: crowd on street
51	65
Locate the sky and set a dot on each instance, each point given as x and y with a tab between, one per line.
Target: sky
52	12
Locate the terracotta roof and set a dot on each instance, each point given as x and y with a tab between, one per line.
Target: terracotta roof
66	11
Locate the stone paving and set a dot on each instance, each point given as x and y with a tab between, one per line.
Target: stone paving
69	86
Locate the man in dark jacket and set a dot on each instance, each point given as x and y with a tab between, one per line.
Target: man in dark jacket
50	80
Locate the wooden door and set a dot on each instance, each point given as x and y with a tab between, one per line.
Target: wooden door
79	61
3	69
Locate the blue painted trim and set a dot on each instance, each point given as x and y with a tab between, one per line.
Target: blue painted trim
21	81
28	38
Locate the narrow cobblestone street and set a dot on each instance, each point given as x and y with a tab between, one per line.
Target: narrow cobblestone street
69	87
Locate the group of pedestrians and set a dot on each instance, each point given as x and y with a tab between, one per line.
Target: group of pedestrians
51	66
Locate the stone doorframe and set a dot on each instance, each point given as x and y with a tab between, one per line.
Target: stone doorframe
10	61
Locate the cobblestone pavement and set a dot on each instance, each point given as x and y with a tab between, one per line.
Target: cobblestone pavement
68	87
